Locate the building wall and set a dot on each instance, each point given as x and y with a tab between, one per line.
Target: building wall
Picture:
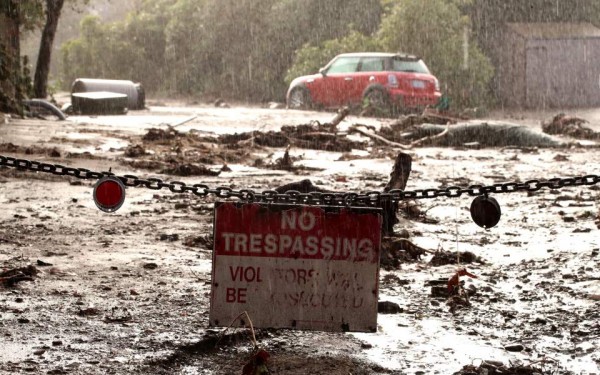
511	70
548	73
563	73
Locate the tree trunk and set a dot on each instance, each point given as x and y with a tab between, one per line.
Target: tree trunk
10	51
42	69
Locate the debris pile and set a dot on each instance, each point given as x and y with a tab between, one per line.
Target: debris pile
571	126
314	136
13	276
160	135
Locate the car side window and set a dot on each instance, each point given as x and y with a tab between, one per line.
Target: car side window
372	64
344	65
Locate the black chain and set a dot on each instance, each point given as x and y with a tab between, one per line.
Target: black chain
370	198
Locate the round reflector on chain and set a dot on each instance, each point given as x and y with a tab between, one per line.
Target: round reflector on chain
109	194
485	211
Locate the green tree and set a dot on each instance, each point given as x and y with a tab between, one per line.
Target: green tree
238	49
437	31
42	69
15	16
133	49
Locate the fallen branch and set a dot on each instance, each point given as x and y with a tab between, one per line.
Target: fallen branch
431	137
185	121
356	129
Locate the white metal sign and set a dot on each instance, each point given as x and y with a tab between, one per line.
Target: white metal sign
303	267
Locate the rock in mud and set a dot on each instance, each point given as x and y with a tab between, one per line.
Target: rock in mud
169	237
514	348
134	151
387	307
41	263
90	311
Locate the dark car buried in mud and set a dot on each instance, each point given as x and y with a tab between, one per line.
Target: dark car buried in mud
382	80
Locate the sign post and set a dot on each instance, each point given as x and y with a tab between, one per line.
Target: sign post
290	266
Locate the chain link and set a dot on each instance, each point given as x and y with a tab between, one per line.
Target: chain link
369	198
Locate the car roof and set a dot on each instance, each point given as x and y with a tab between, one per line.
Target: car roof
378	54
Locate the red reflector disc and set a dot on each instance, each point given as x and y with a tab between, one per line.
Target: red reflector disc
109	194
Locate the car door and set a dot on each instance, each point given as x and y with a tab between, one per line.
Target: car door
337	78
369	69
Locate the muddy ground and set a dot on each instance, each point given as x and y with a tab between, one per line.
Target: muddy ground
129	292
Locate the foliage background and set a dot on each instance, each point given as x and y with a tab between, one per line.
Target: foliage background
249	50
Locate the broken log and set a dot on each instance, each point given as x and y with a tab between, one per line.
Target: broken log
341	115
400	172
487	134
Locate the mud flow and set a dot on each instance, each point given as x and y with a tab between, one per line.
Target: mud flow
85	292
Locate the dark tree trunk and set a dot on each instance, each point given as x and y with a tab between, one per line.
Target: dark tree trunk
10	51
42	69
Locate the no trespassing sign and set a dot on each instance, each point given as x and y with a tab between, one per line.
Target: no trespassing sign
291	266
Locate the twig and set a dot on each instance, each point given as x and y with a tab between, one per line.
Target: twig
356	128
196	275
231	324
185	121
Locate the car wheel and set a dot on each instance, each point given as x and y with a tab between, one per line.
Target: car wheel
299	98
377	101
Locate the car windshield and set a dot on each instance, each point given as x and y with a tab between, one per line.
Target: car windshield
409	65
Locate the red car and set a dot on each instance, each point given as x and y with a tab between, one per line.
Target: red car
386	80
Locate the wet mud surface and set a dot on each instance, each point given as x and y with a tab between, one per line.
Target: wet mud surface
129	292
